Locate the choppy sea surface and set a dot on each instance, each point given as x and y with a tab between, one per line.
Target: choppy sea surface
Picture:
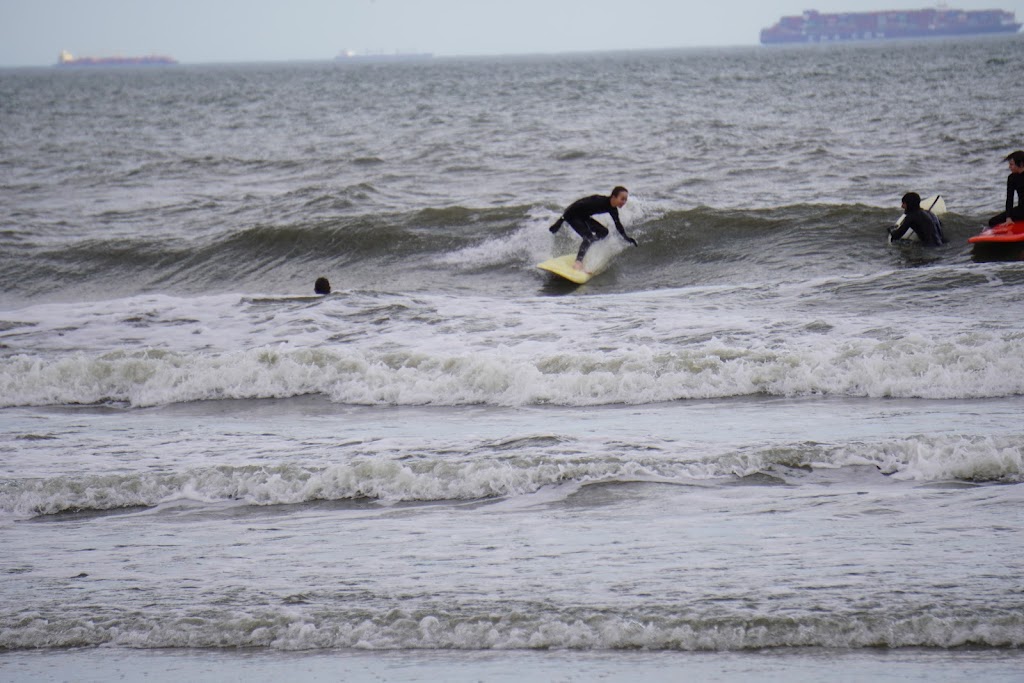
763	445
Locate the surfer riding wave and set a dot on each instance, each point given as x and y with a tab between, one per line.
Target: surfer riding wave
579	215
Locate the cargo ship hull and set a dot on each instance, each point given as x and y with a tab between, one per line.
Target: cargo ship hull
65	59
816	27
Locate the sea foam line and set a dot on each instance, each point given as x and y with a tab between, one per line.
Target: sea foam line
293	628
431	477
912	367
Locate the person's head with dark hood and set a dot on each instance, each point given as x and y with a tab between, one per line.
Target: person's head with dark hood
322	286
911	201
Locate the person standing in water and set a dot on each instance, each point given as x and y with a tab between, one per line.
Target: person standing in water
579	215
1014	185
925	224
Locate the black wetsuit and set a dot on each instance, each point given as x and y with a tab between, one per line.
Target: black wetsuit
1014	186
925	224
579	216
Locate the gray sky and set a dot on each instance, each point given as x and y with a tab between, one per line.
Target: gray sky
200	31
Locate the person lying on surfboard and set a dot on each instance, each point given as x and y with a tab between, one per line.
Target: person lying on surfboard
1014	185
924	223
579	216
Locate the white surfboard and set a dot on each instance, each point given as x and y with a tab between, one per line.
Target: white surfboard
936	204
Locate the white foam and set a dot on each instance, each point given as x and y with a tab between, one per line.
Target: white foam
536	474
379	349
530	372
506	628
532	242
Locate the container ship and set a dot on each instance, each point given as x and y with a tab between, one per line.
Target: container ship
65	58
815	27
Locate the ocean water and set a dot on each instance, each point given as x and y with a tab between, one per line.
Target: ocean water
763	445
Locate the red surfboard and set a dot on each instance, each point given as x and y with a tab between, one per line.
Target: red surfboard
1000	234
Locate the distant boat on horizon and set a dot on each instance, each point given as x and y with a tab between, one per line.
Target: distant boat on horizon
397	56
66	59
815	27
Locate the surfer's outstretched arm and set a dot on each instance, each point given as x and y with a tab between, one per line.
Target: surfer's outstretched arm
622	231
614	213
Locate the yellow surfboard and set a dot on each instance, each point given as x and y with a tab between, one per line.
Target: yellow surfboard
562	266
